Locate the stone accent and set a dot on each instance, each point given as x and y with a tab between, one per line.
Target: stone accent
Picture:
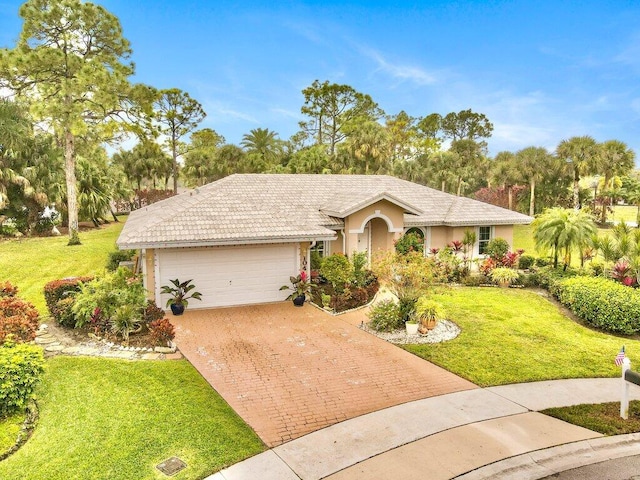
57	342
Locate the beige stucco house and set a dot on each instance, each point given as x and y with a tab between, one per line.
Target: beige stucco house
241	237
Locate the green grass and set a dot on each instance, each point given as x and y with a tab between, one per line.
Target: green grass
30	263
116	419
523	238
9	429
625	213
603	418
515	335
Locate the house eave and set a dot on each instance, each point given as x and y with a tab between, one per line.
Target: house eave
223	243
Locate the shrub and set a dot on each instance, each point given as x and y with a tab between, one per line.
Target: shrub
63	312
108	293
57	289
337	270
17	318
385	316
162	331
497	248
8	290
316	260
525	262
124	320
359	262
409	242
542	262
602	303
504	275
21	366
549	277
152	312
119	256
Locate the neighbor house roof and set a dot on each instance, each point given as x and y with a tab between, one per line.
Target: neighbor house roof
261	208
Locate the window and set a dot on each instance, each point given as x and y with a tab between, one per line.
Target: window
484	237
318	251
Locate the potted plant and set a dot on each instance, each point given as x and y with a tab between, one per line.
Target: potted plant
180	293
428	312
412	326
300	286
504	276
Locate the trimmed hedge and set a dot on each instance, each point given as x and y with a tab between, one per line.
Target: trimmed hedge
21	366
56	290
19	319
603	303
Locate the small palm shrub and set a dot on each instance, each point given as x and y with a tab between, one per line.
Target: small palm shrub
125	320
385	316
504	275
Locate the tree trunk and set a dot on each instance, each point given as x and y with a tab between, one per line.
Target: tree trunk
576	191
532	199
174	148
443	186
70	175
603	217
510	193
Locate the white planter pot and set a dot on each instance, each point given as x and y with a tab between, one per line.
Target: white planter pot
412	328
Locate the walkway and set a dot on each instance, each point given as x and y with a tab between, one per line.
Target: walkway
290	371
470	435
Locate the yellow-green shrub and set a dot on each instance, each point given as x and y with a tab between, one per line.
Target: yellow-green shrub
21	366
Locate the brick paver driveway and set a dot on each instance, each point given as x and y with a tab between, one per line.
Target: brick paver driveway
289	371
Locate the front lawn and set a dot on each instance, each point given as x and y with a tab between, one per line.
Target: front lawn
515	335
30	263
115	419
602	418
9	428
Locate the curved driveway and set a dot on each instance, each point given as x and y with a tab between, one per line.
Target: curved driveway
289	371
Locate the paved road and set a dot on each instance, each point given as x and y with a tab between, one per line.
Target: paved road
627	468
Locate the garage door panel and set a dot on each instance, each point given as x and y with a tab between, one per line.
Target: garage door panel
231	275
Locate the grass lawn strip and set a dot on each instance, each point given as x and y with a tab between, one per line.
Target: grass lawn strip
30	263
9	429
115	419
516	335
602	418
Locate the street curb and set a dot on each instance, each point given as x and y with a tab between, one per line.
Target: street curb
549	461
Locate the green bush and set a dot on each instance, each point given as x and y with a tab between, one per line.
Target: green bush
63	312
359	262
603	303
21	366
316	260
337	270
542	262
385	316
108	293
525	262
497	248
119	256
549	277
55	290
409	242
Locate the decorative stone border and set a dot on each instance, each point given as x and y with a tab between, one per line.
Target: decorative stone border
28	426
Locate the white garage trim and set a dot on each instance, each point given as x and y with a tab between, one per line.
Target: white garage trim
227	276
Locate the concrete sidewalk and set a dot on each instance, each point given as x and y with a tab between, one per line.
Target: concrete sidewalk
482	433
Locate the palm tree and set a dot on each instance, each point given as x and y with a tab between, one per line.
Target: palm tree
531	163
503	171
615	159
15	134
581	153
561	229
264	145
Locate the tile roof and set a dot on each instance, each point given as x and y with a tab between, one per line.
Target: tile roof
255	208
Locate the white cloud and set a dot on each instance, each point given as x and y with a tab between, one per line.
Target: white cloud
400	72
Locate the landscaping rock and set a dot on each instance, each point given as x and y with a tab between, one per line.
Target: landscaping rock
164	349
54	348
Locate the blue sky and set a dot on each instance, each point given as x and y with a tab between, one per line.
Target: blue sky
541	71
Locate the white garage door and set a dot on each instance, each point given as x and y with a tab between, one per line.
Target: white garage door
230	275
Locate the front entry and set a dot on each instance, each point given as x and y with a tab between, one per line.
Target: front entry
364	240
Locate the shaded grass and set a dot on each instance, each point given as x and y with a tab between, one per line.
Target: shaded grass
625	213
516	335
117	419
30	263
9	428
602	418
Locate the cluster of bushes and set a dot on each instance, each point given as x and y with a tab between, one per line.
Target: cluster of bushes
112	304
601	302
21	364
344	283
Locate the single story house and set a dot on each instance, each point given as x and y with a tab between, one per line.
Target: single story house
241	237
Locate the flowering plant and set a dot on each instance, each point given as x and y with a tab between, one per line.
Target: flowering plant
300	285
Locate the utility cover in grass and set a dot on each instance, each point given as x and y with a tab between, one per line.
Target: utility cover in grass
171	466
